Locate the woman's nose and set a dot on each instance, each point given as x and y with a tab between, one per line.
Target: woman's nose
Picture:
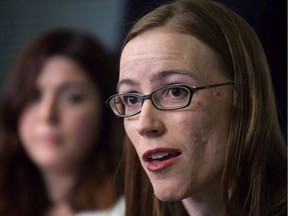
48	110
150	122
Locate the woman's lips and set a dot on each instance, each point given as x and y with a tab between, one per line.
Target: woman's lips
160	158
51	139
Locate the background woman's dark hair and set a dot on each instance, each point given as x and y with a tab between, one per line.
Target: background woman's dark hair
22	190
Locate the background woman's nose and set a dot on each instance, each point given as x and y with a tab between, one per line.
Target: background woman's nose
48	110
149	120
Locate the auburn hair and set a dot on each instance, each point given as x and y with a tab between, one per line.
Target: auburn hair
254	180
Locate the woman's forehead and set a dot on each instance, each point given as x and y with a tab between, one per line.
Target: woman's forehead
163	49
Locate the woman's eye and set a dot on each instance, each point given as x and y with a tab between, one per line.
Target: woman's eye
74	98
130	100
177	92
34	97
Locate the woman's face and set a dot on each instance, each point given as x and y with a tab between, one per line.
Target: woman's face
182	151
60	124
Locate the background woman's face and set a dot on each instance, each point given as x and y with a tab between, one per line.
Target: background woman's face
182	151
60	124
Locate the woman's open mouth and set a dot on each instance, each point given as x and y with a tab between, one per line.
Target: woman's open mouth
160	158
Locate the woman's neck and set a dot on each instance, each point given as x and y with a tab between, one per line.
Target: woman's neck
212	206
206	201
59	185
60	208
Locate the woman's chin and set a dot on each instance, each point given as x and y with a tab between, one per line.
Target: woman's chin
169	194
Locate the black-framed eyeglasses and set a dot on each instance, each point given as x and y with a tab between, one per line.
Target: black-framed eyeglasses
169	97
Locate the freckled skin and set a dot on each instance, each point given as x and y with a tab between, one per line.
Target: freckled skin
199	131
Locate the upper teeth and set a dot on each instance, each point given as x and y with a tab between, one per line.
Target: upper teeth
159	155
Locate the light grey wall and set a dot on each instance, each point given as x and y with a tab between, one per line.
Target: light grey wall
23	20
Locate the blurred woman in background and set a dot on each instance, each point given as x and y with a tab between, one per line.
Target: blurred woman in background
57	154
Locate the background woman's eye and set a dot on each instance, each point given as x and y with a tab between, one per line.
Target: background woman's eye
34	97
74	98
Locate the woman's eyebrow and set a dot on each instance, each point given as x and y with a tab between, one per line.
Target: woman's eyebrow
127	82
166	73
73	85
